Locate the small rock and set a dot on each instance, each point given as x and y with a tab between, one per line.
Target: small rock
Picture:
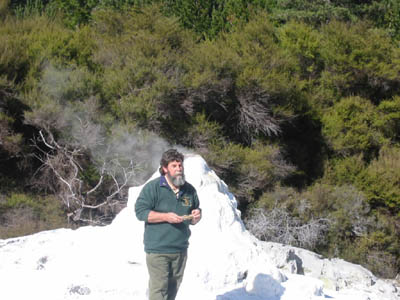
41	262
80	290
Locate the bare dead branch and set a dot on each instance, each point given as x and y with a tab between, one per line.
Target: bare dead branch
63	163
43	139
278	226
100	181
255	117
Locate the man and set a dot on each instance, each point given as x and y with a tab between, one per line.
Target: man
167	205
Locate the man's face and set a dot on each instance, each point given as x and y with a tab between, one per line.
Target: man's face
174	172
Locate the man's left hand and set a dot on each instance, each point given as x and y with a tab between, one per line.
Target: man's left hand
196	213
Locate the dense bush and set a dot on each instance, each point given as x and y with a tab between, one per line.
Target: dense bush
303	42
389	121
249	171
245	82
142	79
349	127
4	9
380	182
359	60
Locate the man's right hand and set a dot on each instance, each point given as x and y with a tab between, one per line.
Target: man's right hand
158	217
173	218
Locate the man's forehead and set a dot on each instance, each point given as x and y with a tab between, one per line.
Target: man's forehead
175	162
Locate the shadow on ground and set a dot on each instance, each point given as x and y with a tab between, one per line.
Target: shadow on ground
264	287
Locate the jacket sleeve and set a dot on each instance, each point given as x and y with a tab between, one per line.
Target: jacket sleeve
196	202
144	203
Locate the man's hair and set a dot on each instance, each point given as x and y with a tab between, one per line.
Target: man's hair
167	157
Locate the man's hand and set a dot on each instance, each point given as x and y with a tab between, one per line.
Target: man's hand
158	217
173	218
196	213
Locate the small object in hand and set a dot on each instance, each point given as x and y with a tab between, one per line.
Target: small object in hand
187	217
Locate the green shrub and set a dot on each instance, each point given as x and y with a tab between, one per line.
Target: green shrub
378	251
349	217
314	12
359	60
142	67
380	181
249	170
389	122
29	45
245	81
62	46
76	12
14	59
342	171
11	141
303	42
32	8
208	17
385	14
23	214
202	133
19	200
286	198
349	127
4	9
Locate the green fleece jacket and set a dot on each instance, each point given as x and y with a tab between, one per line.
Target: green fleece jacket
164	237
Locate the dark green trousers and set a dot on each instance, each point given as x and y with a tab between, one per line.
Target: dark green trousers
166	273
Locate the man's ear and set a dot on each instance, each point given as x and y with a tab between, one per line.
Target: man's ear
165	170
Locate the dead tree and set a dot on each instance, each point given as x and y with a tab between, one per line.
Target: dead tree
61	171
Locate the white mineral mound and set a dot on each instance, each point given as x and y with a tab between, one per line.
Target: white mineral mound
225	261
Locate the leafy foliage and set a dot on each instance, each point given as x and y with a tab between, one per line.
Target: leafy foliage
208	17
350	129
143	71
384	14
22	214
380	180
389	122
249	171
359	60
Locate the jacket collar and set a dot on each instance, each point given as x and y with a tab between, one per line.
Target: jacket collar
163	181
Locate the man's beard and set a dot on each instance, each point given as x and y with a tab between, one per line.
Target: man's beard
177	180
